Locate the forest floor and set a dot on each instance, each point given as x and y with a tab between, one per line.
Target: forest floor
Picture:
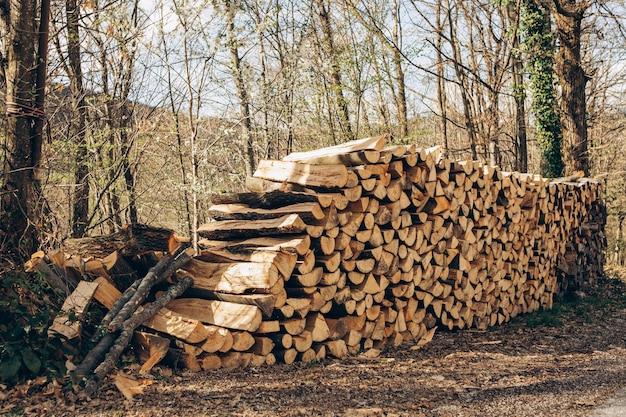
562	362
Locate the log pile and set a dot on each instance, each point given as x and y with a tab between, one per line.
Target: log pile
364	245
581	265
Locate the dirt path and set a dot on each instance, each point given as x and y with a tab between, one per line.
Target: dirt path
565	362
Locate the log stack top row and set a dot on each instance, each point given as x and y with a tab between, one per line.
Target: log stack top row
362	245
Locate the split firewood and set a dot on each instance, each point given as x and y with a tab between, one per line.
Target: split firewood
308	212
52	273
284	261
219	313
360	246
228	229
151	349
296	244
306	175
265	302
75	305
273	199
153	277
128	327
349	153
234	278
130	387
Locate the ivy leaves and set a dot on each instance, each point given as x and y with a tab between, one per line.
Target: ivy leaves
538	43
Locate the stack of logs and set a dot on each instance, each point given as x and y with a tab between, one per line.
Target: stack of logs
364	245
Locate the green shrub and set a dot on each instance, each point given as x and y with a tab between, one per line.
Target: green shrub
27	308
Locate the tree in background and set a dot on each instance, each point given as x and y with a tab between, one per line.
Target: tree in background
568	16
265	78
539	47
70	59
513	9
237	69
24	70
383	21
336	86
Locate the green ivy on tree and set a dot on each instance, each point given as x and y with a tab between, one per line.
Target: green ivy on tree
537	42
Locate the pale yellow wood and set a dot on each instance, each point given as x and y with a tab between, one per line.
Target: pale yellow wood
303	341
151	349
210	361
293	326
376	143
310	279
288	356
316	324
268	326
130	387
307	175
219	313
284	261
216	339
337	348
263	345
301	306
231	278
242	341
68	324
174	324
296	244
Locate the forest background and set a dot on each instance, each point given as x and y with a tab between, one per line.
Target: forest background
152	106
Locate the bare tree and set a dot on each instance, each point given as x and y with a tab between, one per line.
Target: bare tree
78	121
24	69
112	42
376	17
442	99
569	16
463	79
322	12
237	69
518	89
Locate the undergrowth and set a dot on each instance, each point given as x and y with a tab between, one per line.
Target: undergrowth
610	293
28	306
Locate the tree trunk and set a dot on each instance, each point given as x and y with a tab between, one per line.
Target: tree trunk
539	48
619	241
126	118
462	76
186	215
80	203
441	86
403	118
336	84
517	66
381	107
568	16
18	209
129	177
267	140
242	94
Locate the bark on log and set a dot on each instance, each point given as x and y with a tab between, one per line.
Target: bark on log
133	239
128	327
153	277
229	229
